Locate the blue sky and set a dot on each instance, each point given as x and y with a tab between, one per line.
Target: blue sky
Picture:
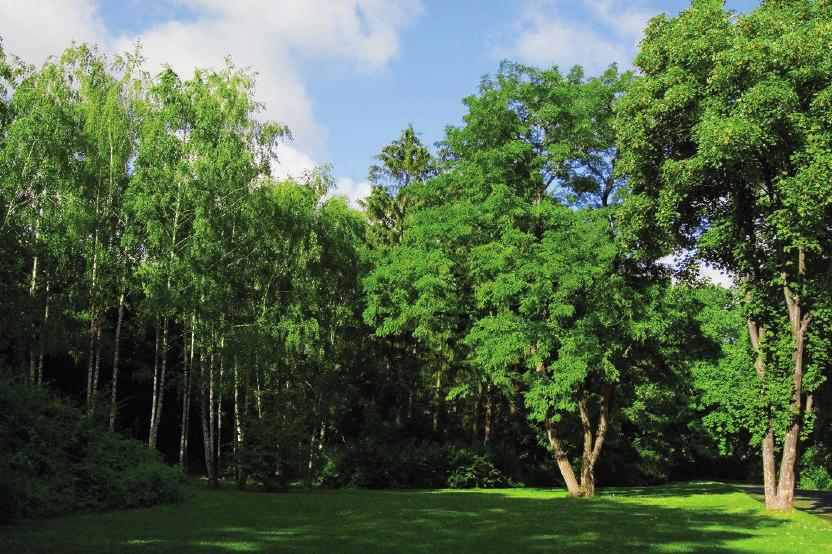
347	75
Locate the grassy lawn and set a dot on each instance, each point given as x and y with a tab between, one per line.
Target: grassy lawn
691	517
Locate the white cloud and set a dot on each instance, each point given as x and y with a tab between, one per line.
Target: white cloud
543	35
353	190
36	29
277	38
291	163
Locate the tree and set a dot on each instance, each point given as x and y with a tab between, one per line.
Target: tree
403	162
513	261
727	142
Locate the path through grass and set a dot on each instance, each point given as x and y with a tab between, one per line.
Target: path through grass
674	518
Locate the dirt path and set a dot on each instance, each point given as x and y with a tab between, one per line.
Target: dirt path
814	502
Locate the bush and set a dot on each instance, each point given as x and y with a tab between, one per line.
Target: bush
476	471
816	467
409	465
272	456
54	460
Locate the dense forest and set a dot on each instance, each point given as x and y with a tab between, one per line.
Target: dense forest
500	310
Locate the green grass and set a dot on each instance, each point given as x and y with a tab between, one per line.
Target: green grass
695	517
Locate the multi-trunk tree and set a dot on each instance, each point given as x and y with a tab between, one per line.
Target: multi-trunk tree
511	261
727	141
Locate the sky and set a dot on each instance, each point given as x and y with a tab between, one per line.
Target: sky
346	75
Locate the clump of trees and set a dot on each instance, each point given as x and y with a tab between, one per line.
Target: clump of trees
143	230
497	312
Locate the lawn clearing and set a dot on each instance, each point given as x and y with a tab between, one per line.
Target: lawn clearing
694	517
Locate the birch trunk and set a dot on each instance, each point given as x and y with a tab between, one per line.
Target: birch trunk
188	365
219	406
488	426
155	395
159	397
33	287
42	339
206	417
116	352
97	354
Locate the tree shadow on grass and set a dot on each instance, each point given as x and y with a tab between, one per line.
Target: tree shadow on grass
814	502
669	490
504	521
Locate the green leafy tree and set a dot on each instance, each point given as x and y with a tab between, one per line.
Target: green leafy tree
513	261
727	142
403	162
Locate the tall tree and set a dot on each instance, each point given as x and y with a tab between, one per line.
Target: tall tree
403	162
513	258
727	142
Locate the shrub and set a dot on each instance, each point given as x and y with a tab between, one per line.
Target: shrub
54	460
272	456
366	463
816	469
475	471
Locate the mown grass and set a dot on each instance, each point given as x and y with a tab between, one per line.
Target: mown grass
695	517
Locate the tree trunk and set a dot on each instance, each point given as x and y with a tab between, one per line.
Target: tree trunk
206	413
97	352
488	425
593	442
799	320
219	405
43	332
159	398
475	421
562	460
91	357
238	431
155	397
437	399
116	351
756	332
93	308
779	493
33	287
187	364
257	394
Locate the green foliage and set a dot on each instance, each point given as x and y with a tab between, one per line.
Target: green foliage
270	454
476	471
55	461
816	469
727	143
378	464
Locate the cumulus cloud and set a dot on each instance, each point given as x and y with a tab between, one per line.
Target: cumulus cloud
277	39
34	30
352	190
544	34
291	163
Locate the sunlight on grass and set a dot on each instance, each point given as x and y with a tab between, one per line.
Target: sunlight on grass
690	517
